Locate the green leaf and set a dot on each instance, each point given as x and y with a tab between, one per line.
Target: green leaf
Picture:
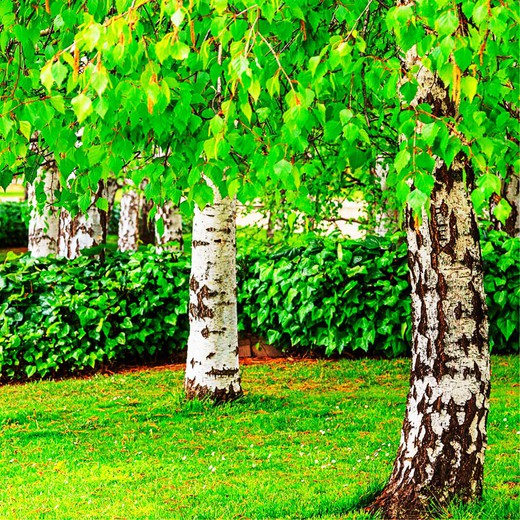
179	51
90	36
446	23
59	73
502	211
216	125
46	76
102	204
25	129
82	106
401	160
99	80
417	200
468	86
429	132
58	103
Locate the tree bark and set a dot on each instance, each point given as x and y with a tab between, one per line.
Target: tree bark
387	218
146	227
44	223
212	368
443	439
83	231
171	237
112	185
129	221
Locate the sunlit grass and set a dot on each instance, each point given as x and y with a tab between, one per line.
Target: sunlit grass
308	440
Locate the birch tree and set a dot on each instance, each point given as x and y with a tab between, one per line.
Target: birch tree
212	367
85	230
130	208
44	217
168	228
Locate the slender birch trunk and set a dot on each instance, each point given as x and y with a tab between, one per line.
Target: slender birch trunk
129	221
387	217
112	185
44	223
443	439
512	195
171	219
82	231
146	226
212	367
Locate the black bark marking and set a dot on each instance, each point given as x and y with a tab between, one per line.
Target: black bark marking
222	372
197	243
200	310
219	395
210	355
464	344
458	311
469	260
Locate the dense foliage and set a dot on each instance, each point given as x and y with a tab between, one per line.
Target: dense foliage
298	97
337	295
13	224
60	316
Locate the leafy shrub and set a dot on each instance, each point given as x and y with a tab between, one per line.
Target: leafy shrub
59	316
335	295
500	255
355	295
62	316
13	224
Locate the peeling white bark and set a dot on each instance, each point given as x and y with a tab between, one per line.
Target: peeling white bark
44	222
83	231
128	233
171	238
212	367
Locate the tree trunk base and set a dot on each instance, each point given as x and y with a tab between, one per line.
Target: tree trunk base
399	504
218	395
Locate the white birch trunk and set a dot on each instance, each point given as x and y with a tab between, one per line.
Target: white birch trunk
171	238
387	218
444	436
44	222
83	231
129	221
212	367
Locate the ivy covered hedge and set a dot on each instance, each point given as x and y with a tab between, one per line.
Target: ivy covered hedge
59	316
13	224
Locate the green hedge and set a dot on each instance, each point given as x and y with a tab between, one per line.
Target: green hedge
335	295
354	295
13	224
59	316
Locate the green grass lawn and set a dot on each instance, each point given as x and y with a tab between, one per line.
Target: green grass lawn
308	440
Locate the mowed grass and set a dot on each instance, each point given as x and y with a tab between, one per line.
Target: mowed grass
308	440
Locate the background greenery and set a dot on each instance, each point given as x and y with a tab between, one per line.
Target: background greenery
13	224
59	316
308	440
